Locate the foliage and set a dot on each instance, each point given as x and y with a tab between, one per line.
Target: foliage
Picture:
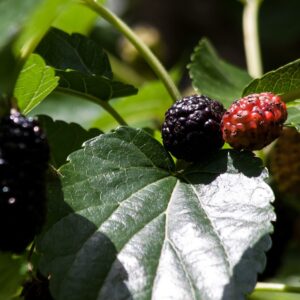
125	220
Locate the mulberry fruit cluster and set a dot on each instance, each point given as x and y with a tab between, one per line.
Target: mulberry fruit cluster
254	121
191	128
196	126
24	155
284	162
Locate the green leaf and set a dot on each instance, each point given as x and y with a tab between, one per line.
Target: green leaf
214	77
14	14
293	117
284	81
83	67
12	274
131	227
40	21
36	81
95	88
75	52
64	138
69	21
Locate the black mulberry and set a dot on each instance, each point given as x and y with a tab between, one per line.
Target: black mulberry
24	155
191	129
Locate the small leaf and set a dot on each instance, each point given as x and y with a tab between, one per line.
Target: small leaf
12	274
75	52
129	226
294	117
284	81
214	77
64	138
36	81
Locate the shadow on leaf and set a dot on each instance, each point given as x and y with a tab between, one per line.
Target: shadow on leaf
244	274
77	256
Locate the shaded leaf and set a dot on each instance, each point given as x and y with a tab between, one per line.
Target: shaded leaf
214	77
129	225
12	274
83	66
64	138
35	82
75	52
284	81
94	87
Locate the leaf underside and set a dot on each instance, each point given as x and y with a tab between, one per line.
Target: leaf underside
123	224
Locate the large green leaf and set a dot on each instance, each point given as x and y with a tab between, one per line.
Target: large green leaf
214	77
131	227
70	135
12	274
284	81
36	81
83	67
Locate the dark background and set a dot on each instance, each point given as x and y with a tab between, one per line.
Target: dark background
183	23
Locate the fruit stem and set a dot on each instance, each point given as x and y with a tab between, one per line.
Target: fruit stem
251	37
141	47
276	287
105	105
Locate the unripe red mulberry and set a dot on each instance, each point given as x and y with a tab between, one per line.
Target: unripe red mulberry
254	121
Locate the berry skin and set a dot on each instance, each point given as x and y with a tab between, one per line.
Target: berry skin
254	121
284	162
191	128
24	155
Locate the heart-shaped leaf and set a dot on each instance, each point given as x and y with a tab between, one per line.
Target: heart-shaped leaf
71	135
127	225
284	81
214	77
36	82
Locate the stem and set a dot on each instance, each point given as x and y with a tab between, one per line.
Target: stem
251	37
142	48
276	287
105	105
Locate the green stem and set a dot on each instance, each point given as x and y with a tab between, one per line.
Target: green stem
142	48
276	287
104	104
251	37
